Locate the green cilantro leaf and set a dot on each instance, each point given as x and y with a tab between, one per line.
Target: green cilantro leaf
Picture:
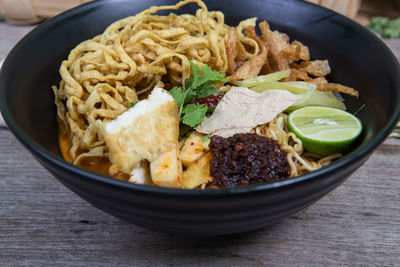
191	92
206	90
209	75
211	110
200	86
205	138
195	70
179	95
134	102
188	82
194	114
212	75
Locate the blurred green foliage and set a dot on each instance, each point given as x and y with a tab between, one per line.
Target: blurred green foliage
386	27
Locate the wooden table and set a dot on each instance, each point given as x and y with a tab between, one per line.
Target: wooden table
42	222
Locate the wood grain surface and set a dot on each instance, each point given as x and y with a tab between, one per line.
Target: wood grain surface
42	223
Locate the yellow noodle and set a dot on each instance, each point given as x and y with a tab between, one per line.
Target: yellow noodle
102	76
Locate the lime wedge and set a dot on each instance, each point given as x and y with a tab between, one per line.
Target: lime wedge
324	130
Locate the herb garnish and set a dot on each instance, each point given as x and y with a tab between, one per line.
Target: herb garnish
193	114
134	102
206	137
201	85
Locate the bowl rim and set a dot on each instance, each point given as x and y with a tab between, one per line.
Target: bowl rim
360	153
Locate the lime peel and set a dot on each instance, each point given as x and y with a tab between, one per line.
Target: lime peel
324	130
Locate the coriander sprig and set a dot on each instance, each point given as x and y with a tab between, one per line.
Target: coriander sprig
200	86
133	103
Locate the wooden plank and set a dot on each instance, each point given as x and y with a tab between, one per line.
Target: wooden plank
50	8
9	36
26	12
346	7
373	8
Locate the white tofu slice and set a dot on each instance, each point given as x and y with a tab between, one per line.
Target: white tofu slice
144	131
242	109
193	148
166	169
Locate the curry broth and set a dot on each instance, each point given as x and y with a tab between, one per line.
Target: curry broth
95	164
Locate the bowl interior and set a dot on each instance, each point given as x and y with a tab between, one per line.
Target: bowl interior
357	58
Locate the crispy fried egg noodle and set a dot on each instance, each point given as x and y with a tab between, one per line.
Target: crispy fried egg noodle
102	76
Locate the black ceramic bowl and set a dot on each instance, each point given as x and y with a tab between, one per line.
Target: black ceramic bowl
357	58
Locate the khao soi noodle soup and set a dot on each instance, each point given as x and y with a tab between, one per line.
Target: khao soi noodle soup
187	101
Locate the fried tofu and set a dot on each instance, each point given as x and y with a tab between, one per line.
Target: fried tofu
198	173
193	148
166	169
144	132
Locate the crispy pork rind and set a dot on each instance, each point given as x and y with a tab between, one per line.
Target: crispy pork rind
231	49
282	52
338	88
281	55
317	68
253	66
